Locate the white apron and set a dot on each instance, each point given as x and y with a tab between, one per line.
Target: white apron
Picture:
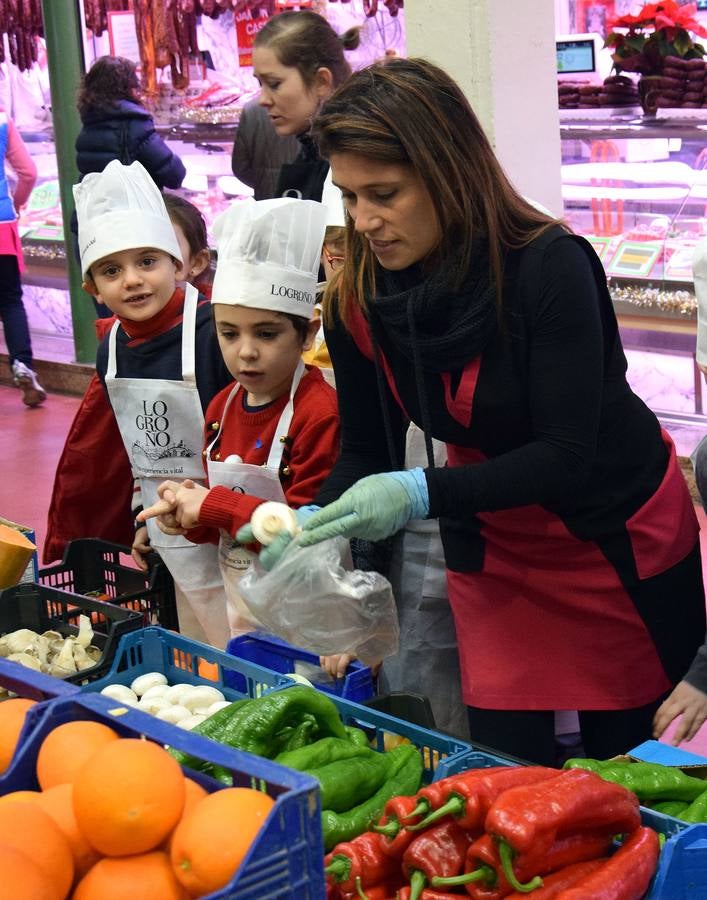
161	422
258	481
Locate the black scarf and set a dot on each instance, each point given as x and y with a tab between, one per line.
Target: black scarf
431	323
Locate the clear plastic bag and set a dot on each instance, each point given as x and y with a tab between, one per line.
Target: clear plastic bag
310	600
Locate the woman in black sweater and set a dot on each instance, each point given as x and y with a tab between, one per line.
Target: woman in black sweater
570	539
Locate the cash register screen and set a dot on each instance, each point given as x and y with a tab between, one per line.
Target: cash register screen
576	56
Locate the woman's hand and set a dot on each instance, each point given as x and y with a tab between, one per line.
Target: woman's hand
691	704
373	509
141	547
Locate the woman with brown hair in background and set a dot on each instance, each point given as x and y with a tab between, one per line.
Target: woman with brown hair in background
299	61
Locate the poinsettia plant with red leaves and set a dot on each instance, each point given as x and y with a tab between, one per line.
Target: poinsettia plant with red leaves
656	31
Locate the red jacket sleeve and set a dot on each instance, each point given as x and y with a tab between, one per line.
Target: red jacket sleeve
314	450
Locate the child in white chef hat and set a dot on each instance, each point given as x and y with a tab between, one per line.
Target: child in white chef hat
274	433
160	366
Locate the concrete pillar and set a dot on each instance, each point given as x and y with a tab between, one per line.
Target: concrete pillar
502	53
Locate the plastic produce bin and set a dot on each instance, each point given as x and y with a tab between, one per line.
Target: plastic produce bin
682	871
33	685
42	608
95	567
269	651
182	660
285	860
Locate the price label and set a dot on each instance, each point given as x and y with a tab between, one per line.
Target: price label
47	233
635	258
44	196
600	244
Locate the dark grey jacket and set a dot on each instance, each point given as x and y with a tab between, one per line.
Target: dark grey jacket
259	152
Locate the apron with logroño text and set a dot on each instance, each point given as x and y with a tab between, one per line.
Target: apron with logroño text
258	481
161	422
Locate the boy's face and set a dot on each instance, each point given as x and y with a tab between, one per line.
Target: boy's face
134	284
260	348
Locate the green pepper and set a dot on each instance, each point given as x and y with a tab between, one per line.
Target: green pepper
649	781
212	728
262	719
404	777
220	773
697	810
301	734
674	808
348	782
320	753
357	736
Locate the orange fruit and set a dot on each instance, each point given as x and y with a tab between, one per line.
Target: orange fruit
194	793
21	796
58	801
128	797
210	843
12	717
148	875
27	828
67	747
22	879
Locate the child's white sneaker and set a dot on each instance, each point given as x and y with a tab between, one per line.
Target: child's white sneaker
26	380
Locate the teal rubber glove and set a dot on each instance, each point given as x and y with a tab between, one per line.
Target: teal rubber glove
373	509
271	554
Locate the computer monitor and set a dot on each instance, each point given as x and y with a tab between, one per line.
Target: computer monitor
582	57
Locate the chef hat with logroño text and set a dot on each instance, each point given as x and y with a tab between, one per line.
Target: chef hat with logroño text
268	254
121	208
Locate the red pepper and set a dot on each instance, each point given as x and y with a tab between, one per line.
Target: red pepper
483	854
363	858
469	798
427	894
560	881
394	837
437	852
385	890
625	875
434	795
532	816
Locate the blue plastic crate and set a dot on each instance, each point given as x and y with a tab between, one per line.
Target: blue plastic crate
31	684
179	659
156	650
682	870
269	651
284	862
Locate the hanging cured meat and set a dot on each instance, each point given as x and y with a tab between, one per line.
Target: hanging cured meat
21	21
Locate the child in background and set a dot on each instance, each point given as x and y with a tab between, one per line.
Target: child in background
274	434
12	310
190	228
159	363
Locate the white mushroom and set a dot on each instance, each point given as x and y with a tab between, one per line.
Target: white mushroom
152	704
120	692
173	713
202	696
27	660
144	682
64	663
175	692
191	722
270	518
17	641
215	707
83	638
158	690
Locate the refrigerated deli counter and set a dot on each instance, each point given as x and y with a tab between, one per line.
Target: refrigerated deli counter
636	188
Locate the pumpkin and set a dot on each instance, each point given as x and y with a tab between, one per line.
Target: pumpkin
15	553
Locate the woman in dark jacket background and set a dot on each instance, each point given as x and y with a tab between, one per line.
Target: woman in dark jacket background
116	126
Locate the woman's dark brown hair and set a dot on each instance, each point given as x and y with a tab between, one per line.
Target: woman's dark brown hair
110	79
307	42
409	111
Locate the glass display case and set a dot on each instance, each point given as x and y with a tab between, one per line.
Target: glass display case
205	149
637	190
